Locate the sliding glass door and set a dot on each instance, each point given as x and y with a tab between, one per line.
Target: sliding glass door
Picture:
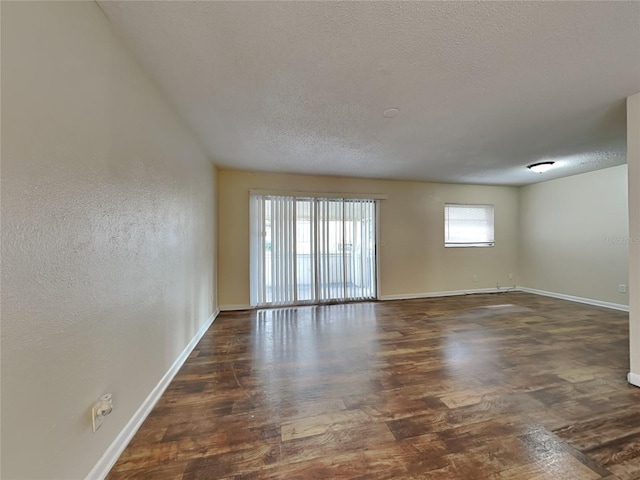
312	250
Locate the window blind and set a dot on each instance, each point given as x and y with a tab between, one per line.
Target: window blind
312	250
468	225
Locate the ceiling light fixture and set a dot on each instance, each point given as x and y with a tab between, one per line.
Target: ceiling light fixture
390	112
540	167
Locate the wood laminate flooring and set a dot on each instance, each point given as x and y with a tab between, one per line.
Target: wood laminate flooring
506	386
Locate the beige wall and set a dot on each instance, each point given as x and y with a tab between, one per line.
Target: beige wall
413	259
108	235
574	233
633	158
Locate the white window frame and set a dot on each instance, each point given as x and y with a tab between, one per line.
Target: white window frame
487	241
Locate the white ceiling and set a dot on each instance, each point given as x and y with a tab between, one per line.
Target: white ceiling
483	89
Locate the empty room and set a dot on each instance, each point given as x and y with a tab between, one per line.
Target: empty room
320	240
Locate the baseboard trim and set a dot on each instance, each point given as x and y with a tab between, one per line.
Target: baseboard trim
450	293
633	379
233	308
572	298
562	296
110	456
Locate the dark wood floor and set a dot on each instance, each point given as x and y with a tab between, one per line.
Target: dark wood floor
508	386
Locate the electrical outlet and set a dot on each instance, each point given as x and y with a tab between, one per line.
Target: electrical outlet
475	278
511	276
101	409
622	288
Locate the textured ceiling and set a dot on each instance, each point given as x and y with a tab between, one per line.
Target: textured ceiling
483	89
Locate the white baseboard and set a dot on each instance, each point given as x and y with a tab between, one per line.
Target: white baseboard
572	298
633	379
451	293
110	456
232	308
562	296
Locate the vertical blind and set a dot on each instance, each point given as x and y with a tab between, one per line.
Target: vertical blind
468	225
312	250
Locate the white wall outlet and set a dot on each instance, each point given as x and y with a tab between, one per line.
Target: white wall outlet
101	409
475	278
511	276
622	288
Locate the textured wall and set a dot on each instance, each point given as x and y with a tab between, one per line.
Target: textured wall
108	236
574	235
633	157
413	259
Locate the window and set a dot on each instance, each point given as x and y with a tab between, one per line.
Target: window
312	249
468	225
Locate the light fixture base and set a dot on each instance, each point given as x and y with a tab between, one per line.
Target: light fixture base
540	167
